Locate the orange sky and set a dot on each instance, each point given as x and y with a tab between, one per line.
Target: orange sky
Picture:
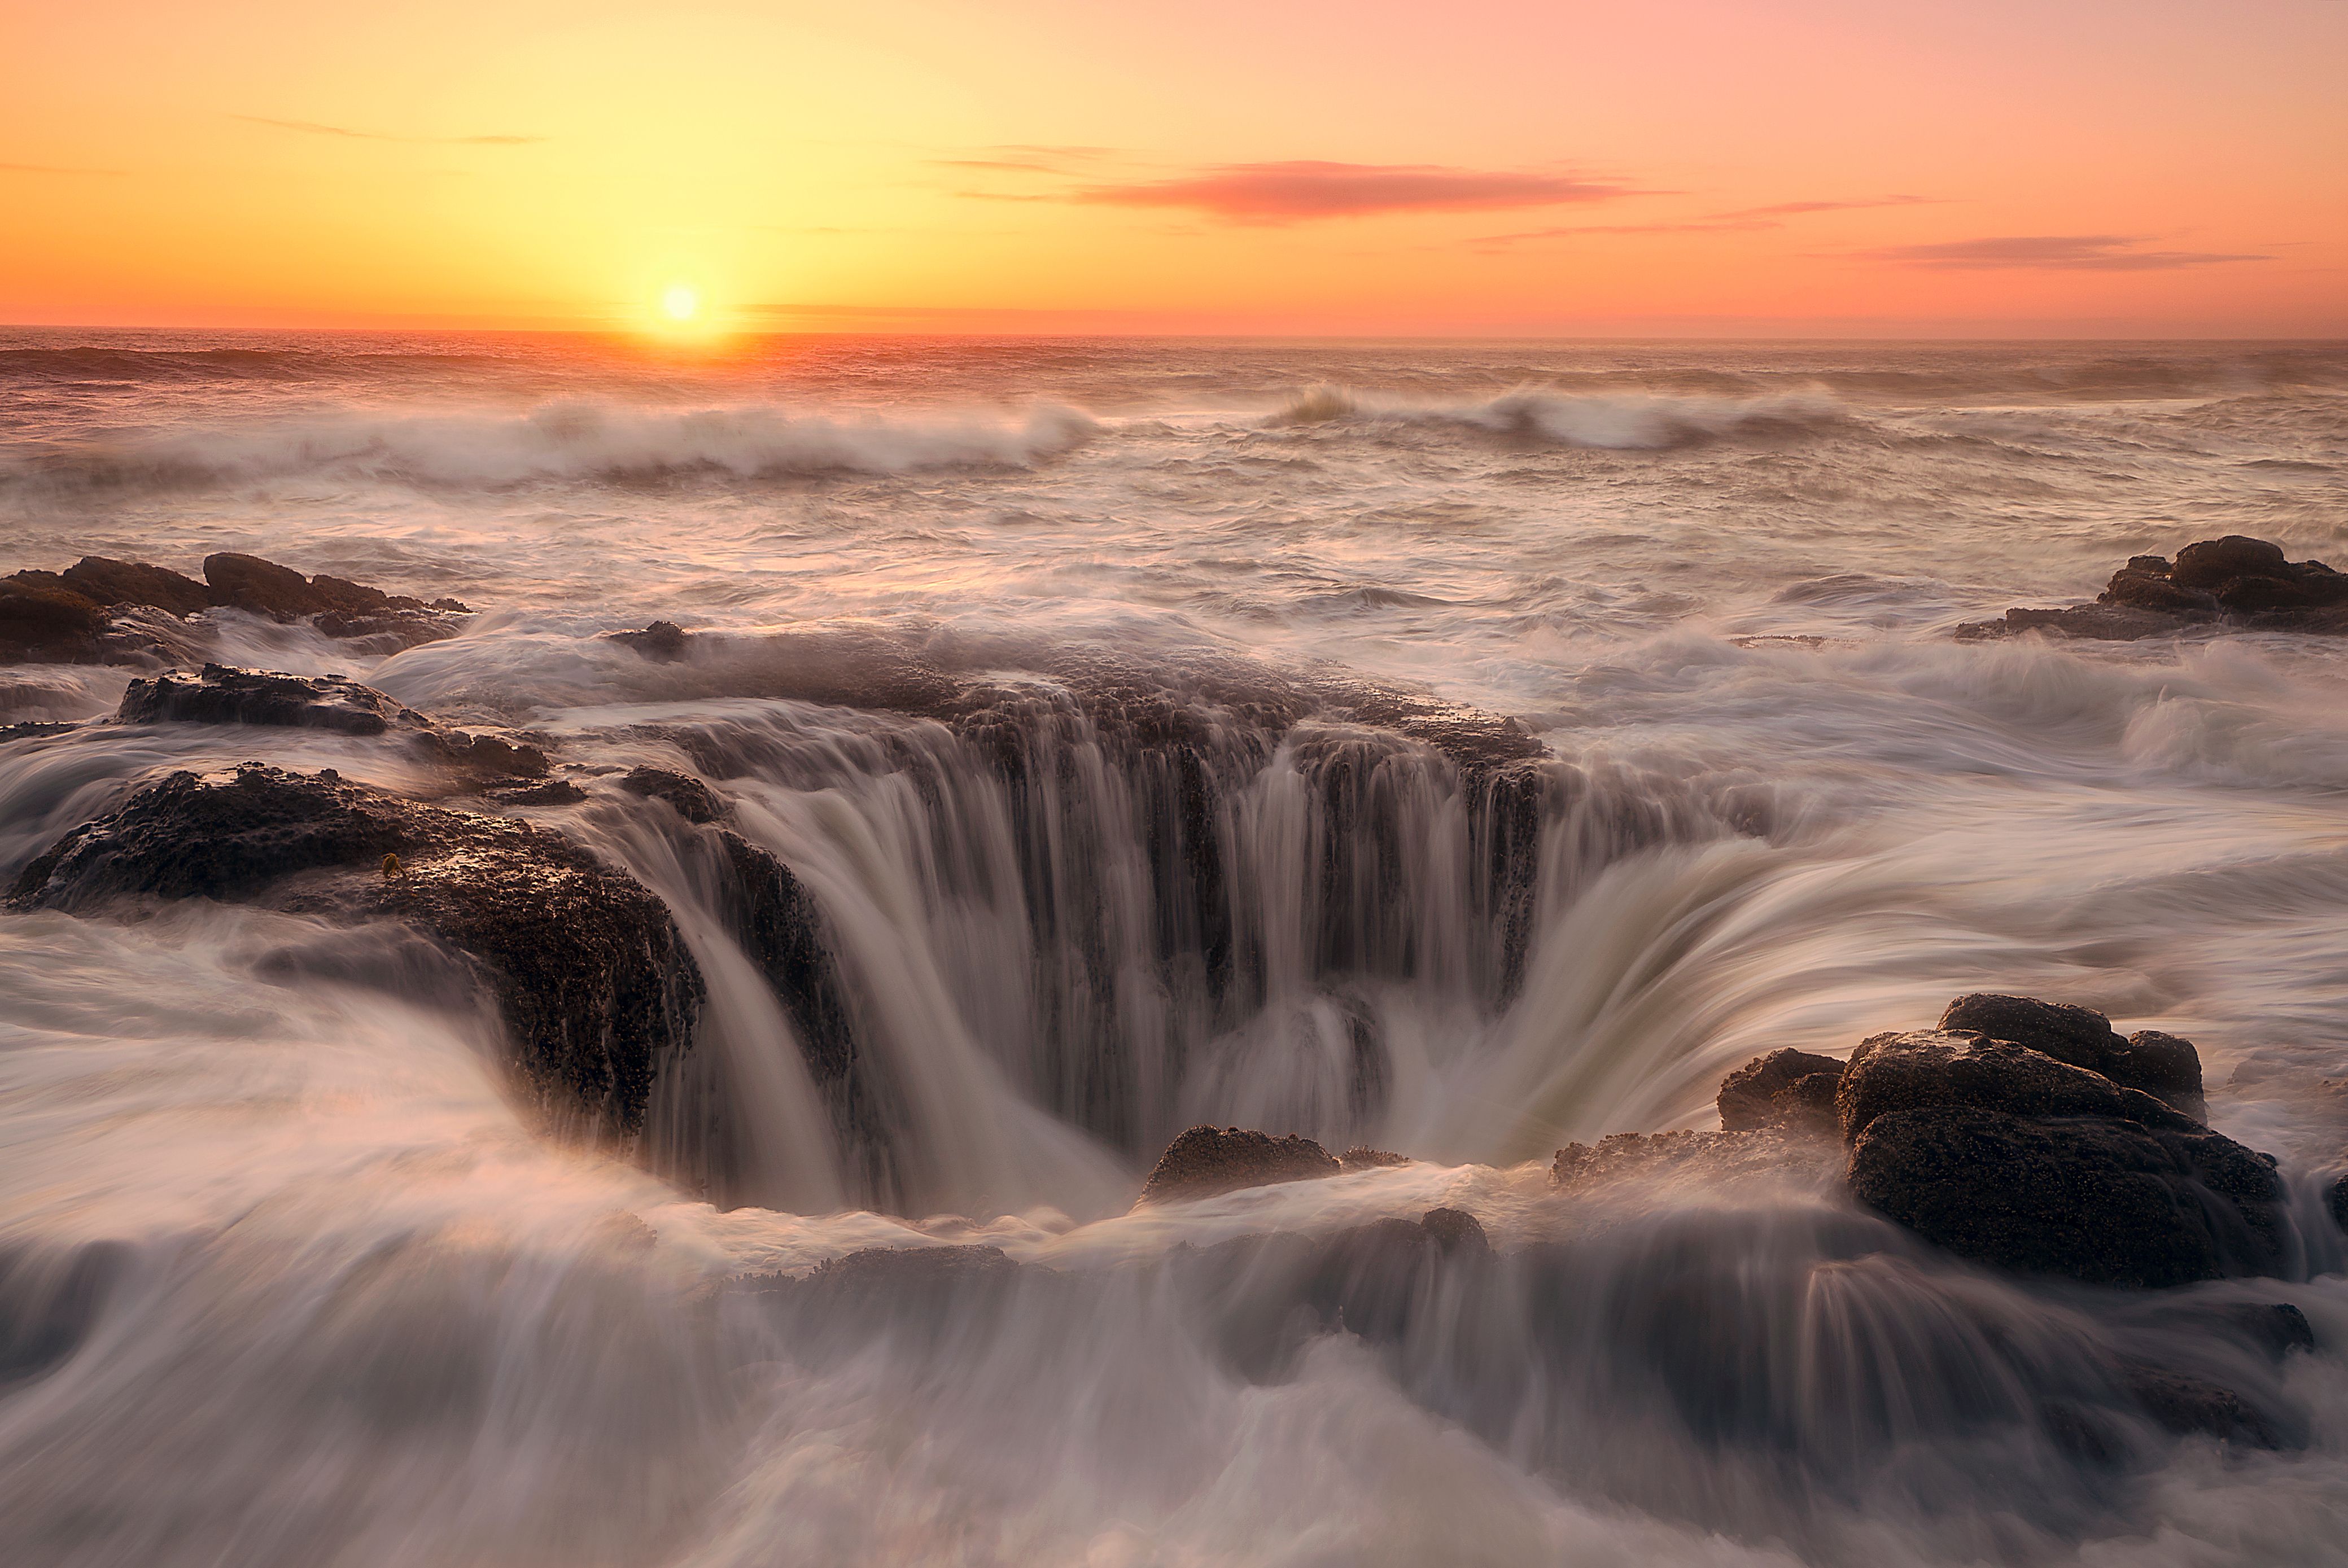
1809	167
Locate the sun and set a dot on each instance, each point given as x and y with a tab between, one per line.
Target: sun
680	303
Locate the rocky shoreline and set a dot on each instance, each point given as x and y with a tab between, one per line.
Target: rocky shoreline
2235	582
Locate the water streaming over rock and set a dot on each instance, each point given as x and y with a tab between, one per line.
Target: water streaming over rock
1460	752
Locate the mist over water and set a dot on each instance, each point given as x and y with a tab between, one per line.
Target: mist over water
288	1277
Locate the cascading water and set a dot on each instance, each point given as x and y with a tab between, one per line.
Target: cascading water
1002	885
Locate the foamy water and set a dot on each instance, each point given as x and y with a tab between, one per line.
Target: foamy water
286	1278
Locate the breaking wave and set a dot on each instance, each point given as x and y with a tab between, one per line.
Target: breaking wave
1633	422
566	441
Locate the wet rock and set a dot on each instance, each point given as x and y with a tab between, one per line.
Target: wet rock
221	694
2187	1405
2335	1199
43	622
1453	1229
693	800
1644	1158
2238	581
2213	562
1783	1089
262	587
338	607
595	987
492	757
116	583
1931	1069
661	641
554	792
1205	1161
1362	1157
2162	1065
2105	1201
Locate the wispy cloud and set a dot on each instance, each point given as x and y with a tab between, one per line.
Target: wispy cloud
53	168
1851	204
1302	191
2054	252
313	127
1744	219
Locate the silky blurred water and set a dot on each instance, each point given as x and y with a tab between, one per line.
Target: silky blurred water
285	1278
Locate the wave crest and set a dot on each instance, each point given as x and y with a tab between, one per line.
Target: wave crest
1634	421
569	441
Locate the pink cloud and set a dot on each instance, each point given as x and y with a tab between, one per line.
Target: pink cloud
1304	189
2056	252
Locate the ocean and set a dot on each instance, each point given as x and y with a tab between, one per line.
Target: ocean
291	1272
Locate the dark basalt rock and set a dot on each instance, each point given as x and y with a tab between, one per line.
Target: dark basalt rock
2162	1065
1205	1161
1643	1157
103	610
225	695
554	792
486	755
337	606
2187	1405
1929	1068
43	622
693	800
1453	1229
114	583
2109	1201
595	986
2238	581
2335	1199
661	641
1783	1089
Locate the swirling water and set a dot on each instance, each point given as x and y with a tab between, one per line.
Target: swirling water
285	1277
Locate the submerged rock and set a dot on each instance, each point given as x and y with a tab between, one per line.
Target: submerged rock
2235	581
1783	1089
1205	1161
693	800
594	984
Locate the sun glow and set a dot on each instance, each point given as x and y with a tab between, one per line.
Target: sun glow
680	303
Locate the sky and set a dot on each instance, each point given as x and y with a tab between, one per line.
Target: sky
1668	168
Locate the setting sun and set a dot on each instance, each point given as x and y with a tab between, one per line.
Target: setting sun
679	303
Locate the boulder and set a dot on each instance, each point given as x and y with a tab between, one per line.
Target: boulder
2162	1065
115	582
596	989
43	622
261	587
2242	581
1783	1089
2212	562
693	800
1932	1068
222	695
1205	1161
337	607
1362	1157
2099	1199
2181	1403
1453	1229
662	642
